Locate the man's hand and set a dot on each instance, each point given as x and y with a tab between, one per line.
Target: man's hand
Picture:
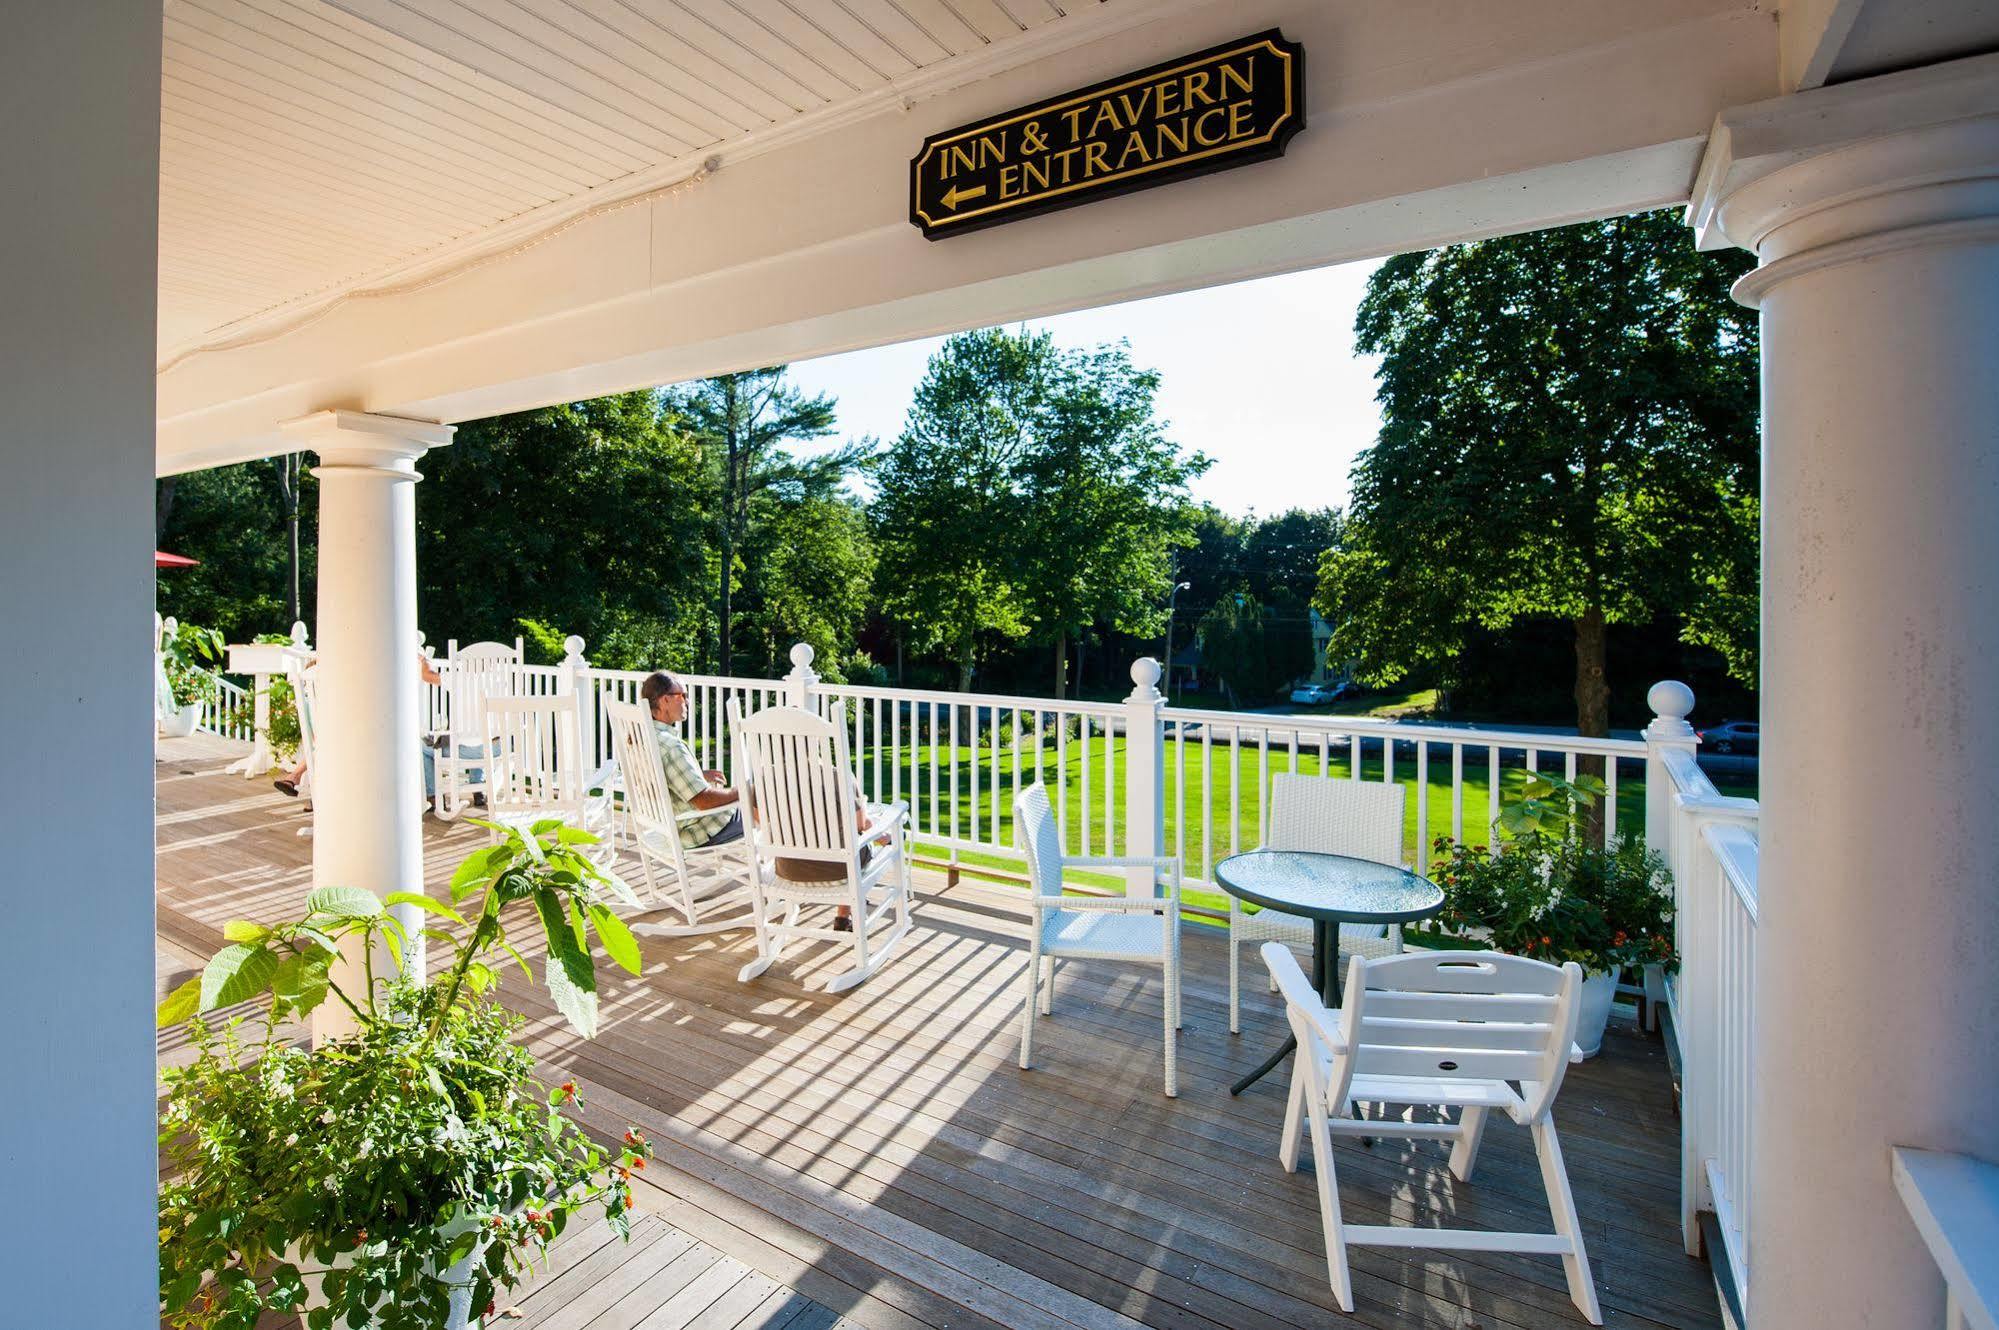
715	777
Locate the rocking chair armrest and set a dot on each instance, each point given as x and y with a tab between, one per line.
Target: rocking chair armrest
892	816
695	814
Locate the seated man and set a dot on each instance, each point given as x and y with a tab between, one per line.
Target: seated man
690	785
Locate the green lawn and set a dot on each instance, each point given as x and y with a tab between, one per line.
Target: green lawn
1231	789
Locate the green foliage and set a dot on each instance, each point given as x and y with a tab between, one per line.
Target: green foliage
1033	493
1255	655
365	1169
233	519
1570	431
591	517
792	552
1553	891
192	656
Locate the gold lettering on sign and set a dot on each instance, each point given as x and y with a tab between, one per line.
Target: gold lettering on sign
1197	115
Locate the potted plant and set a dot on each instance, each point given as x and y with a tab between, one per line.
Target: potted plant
189	654
403	1175
1548	891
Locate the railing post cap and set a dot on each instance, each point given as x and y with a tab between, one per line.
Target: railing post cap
802	656
1670	699
170	625
1145	675
298	632
573	645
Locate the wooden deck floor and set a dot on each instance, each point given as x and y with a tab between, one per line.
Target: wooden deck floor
879	1156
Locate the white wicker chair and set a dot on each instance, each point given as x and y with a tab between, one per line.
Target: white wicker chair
798	769
536	767
1141	930
1333	816
473	676
1453	1029
713	886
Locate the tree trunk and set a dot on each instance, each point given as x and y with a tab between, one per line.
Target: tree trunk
965	666
294	470
163	508
1592	685
1592	705
1061	666
725	642
291	583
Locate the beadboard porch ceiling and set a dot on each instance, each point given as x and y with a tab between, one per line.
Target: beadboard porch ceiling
310	147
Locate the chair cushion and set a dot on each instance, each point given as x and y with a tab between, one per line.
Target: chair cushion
1112	936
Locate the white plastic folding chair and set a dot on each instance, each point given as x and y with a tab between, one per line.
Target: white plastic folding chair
536	768
796	776
713	887
1447	1029
1332	816
472	676
1139	930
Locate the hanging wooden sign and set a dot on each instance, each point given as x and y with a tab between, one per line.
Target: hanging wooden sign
1230	105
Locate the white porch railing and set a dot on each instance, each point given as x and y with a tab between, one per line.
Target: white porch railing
1710	843
229	712
1138	776
1954	1201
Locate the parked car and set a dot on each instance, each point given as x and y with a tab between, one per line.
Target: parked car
1316	694
1731	736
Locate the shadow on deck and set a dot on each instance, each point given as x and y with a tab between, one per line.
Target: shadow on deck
880	1157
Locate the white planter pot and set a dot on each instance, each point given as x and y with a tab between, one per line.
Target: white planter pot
1593	1014
182	722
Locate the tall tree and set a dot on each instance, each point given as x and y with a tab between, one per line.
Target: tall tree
1569	429
290	471
947	503
1105	502
234	520
592	518
747	420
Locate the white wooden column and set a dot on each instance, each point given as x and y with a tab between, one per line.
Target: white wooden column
1874	209
367	782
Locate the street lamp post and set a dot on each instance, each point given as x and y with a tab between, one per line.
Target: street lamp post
1171	597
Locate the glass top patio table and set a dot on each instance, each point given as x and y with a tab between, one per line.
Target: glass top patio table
1329	890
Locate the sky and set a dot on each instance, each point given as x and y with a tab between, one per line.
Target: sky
1261	376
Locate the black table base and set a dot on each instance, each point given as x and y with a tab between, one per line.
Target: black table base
1325	977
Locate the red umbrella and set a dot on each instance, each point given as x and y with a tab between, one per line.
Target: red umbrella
161	559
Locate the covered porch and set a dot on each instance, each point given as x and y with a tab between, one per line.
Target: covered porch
170	308
879	1156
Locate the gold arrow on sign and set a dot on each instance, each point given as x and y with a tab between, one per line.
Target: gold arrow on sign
956	195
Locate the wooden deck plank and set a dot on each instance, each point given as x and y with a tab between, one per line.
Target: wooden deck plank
878	1159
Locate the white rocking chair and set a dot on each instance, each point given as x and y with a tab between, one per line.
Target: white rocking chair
1143	930
714	886
1332	816
305	702
1447	1029
536	768
473	676
799	771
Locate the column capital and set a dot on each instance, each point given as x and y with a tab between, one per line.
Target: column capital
358	440
1841	173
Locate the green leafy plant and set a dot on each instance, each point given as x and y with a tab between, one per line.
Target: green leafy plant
404	1173
1550	893
282	729
192	655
